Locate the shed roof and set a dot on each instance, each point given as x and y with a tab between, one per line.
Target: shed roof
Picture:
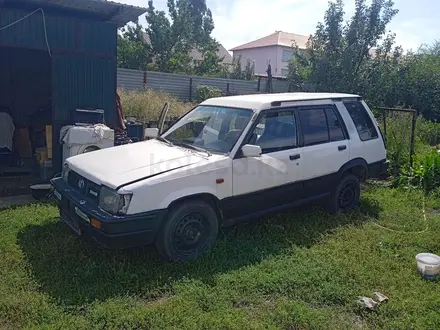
102	10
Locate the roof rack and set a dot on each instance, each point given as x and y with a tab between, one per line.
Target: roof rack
279	103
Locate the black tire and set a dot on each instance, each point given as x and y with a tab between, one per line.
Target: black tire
346	195
188	232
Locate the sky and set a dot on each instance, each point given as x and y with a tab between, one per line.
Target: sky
240	21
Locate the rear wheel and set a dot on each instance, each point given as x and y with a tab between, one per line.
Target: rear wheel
189	231
346	195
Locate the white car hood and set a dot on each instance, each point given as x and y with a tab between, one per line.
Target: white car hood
117	166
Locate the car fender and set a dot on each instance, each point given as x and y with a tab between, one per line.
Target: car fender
187	193
353	163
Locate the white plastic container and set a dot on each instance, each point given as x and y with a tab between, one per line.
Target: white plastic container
428	265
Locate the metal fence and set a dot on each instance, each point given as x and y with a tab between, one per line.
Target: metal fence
184	87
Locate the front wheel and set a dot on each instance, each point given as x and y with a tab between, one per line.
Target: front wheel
189	231
346	195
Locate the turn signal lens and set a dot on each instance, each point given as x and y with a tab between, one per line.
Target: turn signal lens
96	223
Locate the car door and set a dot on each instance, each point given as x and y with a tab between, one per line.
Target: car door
274	178
325	147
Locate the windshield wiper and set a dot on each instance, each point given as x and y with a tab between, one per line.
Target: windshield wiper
160	138
193	147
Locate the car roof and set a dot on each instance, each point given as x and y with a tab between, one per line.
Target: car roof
264	101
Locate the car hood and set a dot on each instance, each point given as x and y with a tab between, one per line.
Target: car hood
121	165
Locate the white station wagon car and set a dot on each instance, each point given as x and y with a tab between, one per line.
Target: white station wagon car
227	160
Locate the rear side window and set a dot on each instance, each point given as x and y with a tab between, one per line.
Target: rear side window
320	125
362	120
314	126
334	126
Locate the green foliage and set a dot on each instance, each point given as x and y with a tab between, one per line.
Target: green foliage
398	140
294	270
239	73
133	51
334	58
211	63
425	174
422	84
206	92
170	38
350	57
398	136
429	131
147	105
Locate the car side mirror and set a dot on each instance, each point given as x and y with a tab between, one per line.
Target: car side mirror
250	150
151	132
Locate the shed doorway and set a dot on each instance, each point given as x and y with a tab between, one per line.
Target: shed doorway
25	112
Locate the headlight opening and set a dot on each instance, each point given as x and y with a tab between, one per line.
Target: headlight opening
114	203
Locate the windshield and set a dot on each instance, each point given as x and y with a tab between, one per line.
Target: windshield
212	128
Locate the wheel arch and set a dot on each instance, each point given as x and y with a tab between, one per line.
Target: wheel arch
356	166
209	198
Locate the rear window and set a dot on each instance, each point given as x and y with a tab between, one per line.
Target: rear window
362	120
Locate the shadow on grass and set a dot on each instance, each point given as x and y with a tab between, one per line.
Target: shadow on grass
74	271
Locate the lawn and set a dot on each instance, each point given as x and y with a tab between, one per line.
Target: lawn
298	270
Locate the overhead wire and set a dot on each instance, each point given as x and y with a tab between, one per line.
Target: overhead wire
44	26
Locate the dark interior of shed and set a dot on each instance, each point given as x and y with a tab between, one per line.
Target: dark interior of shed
25	112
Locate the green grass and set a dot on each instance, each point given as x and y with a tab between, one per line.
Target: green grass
298	270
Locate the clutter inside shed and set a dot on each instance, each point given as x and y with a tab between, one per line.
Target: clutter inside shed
25	112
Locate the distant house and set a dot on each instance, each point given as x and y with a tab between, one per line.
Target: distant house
221	53
197	56
275	49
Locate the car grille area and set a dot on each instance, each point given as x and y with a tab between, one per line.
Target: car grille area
83	186
68	216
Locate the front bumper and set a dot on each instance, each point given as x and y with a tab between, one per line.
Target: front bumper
85	218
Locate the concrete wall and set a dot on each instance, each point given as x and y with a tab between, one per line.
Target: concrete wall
263	56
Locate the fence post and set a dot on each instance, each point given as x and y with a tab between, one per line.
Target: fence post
413	129
190	88
259	84
227	89
145	79
384	115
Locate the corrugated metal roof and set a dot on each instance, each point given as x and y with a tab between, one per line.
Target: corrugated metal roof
104	10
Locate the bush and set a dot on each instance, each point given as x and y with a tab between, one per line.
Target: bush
425	174
206	92
398	137
146	105
429	131
398	140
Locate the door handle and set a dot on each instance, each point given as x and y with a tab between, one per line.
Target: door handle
294	157
340	148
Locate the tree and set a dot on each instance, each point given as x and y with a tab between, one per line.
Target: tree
237	71
249	70
165	44
203	23
211	63
133	50
189	27
336	53
422	82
